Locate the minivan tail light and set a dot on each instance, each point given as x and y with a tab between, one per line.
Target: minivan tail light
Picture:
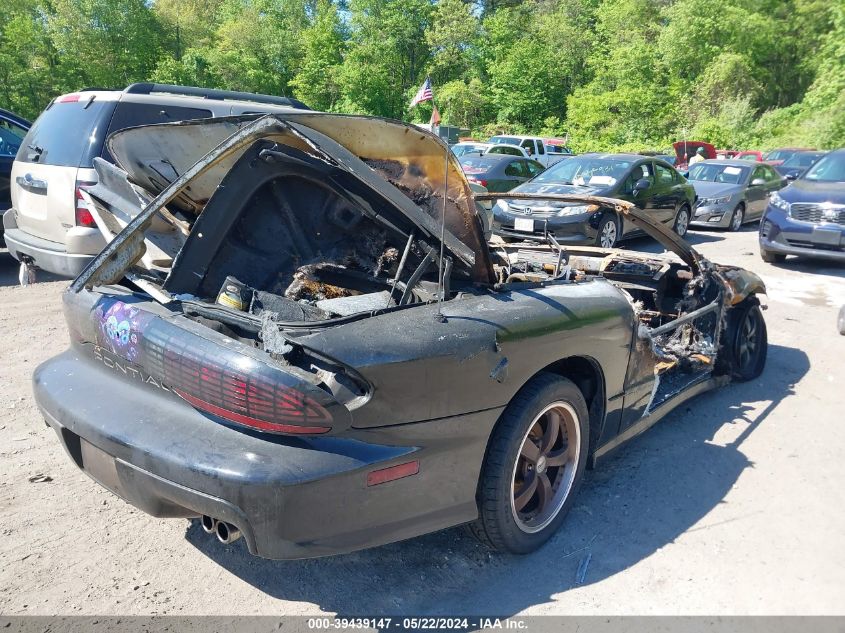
82	213
73	98
478	181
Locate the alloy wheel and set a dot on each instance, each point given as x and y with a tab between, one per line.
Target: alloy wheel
682	222
545	467
608	234
748	341
736	220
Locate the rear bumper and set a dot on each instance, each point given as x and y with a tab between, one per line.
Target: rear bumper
54	257
290	497
780	234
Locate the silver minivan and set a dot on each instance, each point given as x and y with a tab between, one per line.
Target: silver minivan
49	225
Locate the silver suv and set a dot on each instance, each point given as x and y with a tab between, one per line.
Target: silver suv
49	225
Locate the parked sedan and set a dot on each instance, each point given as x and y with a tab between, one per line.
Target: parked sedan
499	172
13	129
652	185
778	156
798	163
297	342
731	192
808	217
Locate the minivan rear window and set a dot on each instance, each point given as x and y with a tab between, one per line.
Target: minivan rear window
68	133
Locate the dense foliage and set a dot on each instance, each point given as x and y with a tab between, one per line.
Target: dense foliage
611	74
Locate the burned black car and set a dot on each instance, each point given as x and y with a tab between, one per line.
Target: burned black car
298	334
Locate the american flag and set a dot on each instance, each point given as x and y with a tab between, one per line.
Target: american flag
424	93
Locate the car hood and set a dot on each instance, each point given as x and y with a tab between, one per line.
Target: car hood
715	189
803	190
567	190
739	282
396	169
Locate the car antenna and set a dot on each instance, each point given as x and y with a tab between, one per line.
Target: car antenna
440	316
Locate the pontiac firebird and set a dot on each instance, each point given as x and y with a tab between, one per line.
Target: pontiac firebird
293	336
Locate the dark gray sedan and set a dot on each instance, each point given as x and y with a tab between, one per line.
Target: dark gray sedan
499	172
731	192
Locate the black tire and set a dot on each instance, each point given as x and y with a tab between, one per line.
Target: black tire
744	362
608	233
772	258
737	218
682	220
500	525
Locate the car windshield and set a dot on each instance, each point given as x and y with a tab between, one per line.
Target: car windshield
780	154
831	168
802	159
510	140
581	171
714	172
750	157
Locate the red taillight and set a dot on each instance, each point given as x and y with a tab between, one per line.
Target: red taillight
384	475
478	181
82	212
246	420
69	98
242	397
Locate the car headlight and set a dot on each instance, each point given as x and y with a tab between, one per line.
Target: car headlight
776	201
501	207
714	201
576	210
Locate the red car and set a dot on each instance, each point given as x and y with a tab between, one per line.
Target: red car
752	155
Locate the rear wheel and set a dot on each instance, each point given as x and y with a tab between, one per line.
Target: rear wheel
533	467
737	218
772	258
682	221
608	231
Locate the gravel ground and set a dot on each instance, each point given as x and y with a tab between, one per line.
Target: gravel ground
733	504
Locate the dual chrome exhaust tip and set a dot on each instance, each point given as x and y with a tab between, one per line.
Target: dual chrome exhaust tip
226	532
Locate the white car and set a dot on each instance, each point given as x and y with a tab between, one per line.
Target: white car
507	149
545	151
469	147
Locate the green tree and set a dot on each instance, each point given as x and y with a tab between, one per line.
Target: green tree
453	38
387	55
27	59
318	81
103	43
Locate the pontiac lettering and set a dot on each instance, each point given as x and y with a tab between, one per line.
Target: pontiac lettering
104	356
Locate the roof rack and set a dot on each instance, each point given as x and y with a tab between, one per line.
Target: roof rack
213	93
